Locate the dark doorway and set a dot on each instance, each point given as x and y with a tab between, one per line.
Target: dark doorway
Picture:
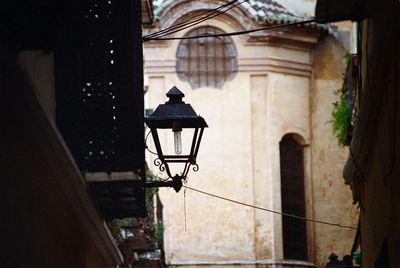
293	199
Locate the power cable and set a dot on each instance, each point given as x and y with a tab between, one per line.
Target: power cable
270	210
183	26
191	24
233	33
188	23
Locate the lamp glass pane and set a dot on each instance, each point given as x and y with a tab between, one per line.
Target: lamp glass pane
176	162
166	137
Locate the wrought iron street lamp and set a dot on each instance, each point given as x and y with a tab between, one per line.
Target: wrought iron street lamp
176	115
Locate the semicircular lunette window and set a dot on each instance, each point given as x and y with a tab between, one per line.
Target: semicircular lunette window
206	61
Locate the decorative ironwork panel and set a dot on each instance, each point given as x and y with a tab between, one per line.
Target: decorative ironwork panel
206	61
293	199
99	98
99	86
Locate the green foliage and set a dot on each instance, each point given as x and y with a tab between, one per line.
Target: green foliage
158	234
343	108
150	226
123	223
346	56
150	193
156	227
341	117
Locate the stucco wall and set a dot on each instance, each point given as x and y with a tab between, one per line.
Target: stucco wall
278	90
216	230
332	198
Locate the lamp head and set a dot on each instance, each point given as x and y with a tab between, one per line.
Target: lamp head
176	115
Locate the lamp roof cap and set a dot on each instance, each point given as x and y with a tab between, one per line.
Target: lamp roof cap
175	95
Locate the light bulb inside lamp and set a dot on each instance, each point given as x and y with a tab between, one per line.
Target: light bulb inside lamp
177	142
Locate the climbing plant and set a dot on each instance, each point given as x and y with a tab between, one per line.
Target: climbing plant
344	112
341	117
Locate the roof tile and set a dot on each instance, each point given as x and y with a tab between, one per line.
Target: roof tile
261	11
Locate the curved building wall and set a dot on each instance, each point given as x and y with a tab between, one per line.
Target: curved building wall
279	89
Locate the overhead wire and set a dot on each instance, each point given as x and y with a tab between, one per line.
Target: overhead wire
210	16
233	33
270	210
189	23
202	19
186	22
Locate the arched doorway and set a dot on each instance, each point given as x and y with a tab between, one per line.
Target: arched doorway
294	231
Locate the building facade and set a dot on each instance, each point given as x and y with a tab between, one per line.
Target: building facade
267	97
372	168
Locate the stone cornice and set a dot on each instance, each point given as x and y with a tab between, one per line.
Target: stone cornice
294	39
159	66
270	64
264	64
285	263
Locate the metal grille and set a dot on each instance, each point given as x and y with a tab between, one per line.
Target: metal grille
99	86
206	61
99	98
293	199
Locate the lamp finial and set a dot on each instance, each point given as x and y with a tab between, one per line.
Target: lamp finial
175	95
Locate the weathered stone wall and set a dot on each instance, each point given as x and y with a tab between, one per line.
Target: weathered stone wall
278	90
332	198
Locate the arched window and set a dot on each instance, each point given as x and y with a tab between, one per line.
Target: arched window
293	199
206	61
